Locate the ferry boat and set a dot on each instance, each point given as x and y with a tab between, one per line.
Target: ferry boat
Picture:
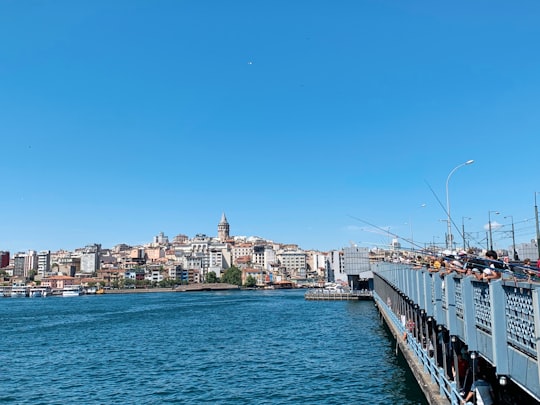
71	291
37	292
18	291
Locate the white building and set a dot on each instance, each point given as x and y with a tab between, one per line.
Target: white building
44	263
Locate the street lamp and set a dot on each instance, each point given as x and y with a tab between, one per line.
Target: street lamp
449	233
513	237
489	226
463	231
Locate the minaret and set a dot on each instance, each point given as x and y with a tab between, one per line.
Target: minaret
223	229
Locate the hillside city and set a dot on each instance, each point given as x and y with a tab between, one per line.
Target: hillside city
166	263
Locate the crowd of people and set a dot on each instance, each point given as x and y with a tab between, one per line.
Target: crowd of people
483	268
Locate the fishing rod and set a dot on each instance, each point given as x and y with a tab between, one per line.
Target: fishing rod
387	231
456	227
477	264
445	210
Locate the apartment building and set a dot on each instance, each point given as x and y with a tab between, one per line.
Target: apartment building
294	262
44	263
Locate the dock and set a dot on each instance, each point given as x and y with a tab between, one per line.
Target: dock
319	294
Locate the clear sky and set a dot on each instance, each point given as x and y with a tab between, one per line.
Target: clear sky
298	119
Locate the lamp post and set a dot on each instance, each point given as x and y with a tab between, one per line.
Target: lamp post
449	238
489	226
463	231
515	255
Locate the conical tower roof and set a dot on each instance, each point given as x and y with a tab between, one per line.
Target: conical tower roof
223	219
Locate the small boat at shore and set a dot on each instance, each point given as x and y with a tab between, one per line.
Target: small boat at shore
37	292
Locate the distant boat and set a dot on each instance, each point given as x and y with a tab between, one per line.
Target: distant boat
91	290
71	291
36	292
336	288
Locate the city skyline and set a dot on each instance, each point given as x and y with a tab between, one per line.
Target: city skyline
301	121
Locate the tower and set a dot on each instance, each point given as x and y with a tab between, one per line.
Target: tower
223	229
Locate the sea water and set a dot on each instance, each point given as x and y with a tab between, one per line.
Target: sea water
233	347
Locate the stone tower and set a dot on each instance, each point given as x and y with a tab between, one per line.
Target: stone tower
223	228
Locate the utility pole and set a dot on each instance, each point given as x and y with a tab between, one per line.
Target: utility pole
515	255
463	231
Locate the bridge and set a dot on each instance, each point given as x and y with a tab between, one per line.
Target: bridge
438	320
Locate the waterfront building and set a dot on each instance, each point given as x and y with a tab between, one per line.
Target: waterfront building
357	267
317	264
18	264
241	250
155	275
257	274
30	263
216	259
178	273
65	262
335	267
90	259
293	262
4	259
57	282
44	263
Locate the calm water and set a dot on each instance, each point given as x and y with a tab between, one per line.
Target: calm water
242	347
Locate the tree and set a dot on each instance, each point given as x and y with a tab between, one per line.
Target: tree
211	277
129	283
250	281
233	275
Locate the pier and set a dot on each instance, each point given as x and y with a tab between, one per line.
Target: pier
319	294
436	320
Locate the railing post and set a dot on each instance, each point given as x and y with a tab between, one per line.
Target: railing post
498	326
421	289
439	314
536	310
428	297
468	313
451	321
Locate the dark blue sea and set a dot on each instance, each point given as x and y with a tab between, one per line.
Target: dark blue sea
238	347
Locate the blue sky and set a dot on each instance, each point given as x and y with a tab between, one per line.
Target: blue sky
298	119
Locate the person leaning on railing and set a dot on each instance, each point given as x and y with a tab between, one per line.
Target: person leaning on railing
493	270
528	269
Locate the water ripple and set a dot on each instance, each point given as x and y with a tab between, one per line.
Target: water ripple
239	347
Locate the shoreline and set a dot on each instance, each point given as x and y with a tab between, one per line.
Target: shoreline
180	288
